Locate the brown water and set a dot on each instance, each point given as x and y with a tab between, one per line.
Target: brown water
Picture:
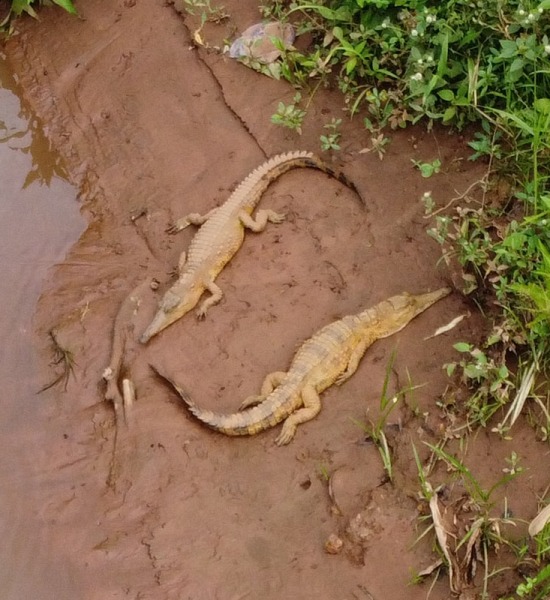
39	220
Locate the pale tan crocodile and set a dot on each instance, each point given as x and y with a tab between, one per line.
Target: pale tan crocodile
331	356
220	237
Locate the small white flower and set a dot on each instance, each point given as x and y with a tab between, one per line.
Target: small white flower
429	58
547	48
420	62
431	19
426	194
531	17
540	10
521	12
544	222
414	32
417	77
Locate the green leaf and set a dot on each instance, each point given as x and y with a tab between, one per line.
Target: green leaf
450	368
449	114
20	6
442	62
542	105
462	346
473	371
509	48
516	68
351	64
67	5
447	95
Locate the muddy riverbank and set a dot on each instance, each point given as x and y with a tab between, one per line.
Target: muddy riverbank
151	128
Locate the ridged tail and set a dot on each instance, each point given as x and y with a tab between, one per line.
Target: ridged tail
260	178
247	422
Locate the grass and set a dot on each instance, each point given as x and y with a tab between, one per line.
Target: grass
375	430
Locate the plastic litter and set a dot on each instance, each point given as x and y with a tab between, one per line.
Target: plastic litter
256	42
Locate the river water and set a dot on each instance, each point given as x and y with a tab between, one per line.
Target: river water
39	221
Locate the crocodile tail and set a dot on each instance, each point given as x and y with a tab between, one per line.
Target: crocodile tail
314	162
247	422
257	181
192	407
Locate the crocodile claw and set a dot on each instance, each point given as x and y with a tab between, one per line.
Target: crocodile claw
285	436
177	227
277	218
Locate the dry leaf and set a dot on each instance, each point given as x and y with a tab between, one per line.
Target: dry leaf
448	327
442	537
539	522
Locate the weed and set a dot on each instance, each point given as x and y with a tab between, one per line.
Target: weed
208	13
480	496
537	587
331	139
466	528
290	115
376	429
488	378
429	168
18	7
63	357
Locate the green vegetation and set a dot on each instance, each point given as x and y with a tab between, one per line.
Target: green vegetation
18	7
290	115
376	430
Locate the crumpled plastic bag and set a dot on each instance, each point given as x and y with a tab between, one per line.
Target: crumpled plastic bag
256	42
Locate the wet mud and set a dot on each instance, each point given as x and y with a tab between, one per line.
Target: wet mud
151	128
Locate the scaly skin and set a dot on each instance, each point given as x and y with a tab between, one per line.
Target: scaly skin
330	357
221	235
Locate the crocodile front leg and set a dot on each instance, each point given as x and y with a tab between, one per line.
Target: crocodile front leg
190	219
312	406
354	360
216	296
259	222
271	381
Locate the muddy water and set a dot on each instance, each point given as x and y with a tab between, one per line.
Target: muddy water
39	220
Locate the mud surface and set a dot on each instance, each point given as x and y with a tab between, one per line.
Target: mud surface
152	128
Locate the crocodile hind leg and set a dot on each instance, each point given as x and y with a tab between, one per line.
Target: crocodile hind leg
312	406
271	381
190	219
216	296
259	222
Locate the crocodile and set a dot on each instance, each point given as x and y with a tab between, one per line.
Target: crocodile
330	357
220	236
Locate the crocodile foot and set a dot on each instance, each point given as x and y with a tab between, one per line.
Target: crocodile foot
251	401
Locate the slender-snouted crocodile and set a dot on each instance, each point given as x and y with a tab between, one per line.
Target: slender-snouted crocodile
331	356
220	237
